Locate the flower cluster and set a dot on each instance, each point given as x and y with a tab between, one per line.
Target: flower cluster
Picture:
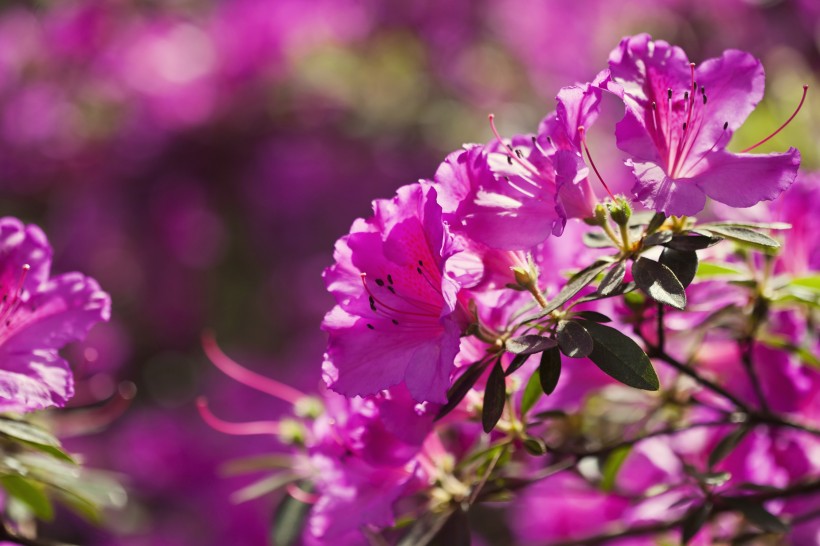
680	374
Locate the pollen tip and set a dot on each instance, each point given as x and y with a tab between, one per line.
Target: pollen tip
26	267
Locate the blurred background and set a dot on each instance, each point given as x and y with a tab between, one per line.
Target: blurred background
200	157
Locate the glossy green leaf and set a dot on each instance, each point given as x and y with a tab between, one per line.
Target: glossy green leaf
549	370
462	386
692	242
659	283
618	356
529	344
657	238
683	263
742	235
612	279
575	284
495	396
573	339
594	316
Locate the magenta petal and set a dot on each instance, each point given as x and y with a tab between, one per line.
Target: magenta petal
733	84
34	380
659	192
63	310
358	362
742	180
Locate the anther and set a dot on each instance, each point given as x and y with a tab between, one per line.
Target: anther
390	278
380	282
725	125
370	326
669	93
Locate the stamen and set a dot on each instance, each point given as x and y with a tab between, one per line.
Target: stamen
234	429
301	495
582	133
248	378
799	106
510	155
79	421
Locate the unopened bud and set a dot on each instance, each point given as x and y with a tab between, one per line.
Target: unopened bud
620	211
522	276
600	216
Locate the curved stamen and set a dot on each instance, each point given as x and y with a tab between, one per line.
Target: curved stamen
234	429
248	378
799	106
582	134
80	421
512	156
301	495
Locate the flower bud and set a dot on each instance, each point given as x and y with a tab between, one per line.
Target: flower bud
620	211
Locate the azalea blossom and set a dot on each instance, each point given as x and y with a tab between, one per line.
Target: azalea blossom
39	314
514	193
399	317
679	120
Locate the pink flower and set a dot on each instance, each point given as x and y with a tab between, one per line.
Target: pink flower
679	119
38	315
398	318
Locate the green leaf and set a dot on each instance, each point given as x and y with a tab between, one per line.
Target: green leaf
694	521
726	445
692	242
27	432
659	283
752	225
625	288
30	493
708	270
517	362
620	357
495	396
656	222
549	370
742	235
573	339
529	344
612	465
55	452
594	316
532	392
574	285
613	279
683	263
811	282
759	516
658	238
288	522
462	386
596	239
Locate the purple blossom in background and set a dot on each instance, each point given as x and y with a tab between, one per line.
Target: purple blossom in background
39	314
679	120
